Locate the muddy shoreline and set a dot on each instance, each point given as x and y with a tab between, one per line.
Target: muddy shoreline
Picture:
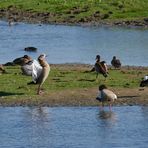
11	14
81	97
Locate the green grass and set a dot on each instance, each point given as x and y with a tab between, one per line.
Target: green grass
116	9
14	84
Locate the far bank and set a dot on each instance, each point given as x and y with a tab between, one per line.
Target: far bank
101	12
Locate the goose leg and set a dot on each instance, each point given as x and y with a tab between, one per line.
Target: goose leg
39	90
102	106
110	107
96	75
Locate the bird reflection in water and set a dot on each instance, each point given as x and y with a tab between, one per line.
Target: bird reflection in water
107	116
38	114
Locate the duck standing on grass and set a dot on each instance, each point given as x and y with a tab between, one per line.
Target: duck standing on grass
116	62
106	95
44	73
100	67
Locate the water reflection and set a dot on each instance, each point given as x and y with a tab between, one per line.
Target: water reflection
107	119
39	113
37	120
74	127
144	110
107	115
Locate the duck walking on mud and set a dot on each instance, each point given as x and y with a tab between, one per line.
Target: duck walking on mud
44	73
106	95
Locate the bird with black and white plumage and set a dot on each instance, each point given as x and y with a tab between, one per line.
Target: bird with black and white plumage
100	67
144	82
44	72
116	62
106	96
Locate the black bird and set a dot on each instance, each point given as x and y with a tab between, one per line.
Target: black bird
144	82
116	62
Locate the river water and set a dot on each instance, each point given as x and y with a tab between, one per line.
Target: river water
73	127
74	44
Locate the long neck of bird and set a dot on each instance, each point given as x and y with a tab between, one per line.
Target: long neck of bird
43	63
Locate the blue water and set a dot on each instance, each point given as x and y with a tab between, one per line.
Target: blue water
73	127
74	44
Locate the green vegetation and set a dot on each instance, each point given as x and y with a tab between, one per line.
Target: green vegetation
68	85
83	9
13	83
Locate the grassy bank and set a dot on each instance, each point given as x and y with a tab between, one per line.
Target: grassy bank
80	10
66	85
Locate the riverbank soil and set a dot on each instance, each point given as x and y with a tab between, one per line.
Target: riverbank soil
78	97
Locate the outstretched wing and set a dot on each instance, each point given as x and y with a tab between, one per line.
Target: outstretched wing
101	68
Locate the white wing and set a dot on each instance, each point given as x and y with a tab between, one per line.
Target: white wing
37	69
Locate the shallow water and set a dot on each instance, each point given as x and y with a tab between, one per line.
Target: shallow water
73	127
74	44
